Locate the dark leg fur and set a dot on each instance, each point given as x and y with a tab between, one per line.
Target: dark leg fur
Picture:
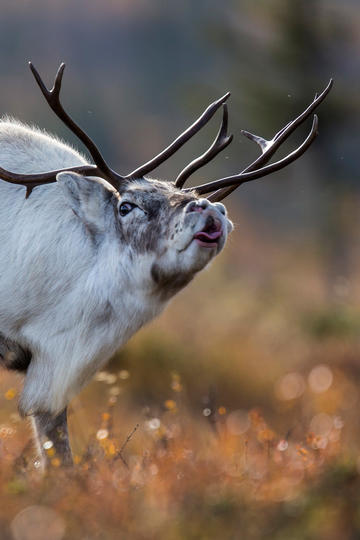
46	426
12	356
53	428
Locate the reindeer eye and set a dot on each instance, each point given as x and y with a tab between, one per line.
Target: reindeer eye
125	208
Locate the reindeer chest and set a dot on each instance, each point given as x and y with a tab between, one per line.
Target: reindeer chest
115	307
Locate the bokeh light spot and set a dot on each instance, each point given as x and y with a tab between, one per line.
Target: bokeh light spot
102	434
170	404
38	523
282	445
320	378
47	445
10	394
321	424
154	423
290	386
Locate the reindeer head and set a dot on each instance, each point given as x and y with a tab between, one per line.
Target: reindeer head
173	228
160	234
179	233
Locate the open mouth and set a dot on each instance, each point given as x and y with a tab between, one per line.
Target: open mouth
209	237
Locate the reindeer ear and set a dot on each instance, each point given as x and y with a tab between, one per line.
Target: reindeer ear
87	197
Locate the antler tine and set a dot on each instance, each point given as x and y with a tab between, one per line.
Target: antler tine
268	148
30	181
179	141
263	143
221	141
239	179
53	98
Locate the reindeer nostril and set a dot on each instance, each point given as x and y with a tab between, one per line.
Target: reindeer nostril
197	206
191	207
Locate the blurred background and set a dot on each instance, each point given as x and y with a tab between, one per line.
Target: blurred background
271	330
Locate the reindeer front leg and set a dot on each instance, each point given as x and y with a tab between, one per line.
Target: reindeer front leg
52	428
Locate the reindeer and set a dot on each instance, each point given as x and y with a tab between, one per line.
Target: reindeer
88	256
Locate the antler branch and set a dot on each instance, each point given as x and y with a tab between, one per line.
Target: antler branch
220	143
239	179
30	181
53	98
179	141
268	148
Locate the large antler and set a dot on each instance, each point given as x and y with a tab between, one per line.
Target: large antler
101	168
222	187
256	169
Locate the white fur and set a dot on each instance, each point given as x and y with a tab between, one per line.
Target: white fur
72	303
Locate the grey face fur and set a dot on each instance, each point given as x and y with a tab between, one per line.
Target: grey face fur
84	267
163	223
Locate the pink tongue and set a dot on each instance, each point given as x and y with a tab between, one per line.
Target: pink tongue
208	235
